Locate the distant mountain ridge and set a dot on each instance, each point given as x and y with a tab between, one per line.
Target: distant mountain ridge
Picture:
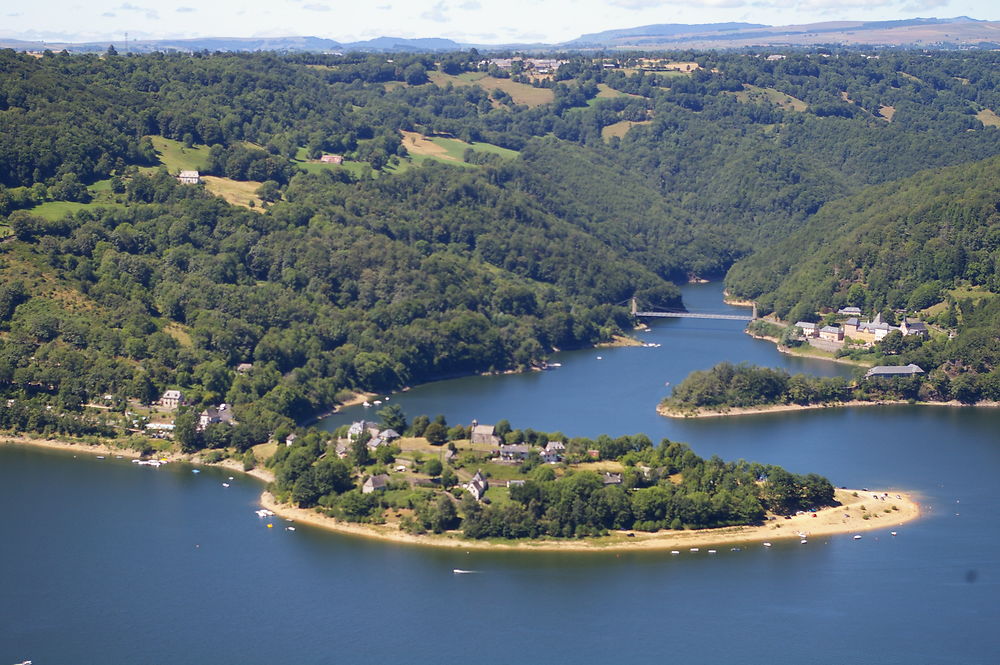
960	31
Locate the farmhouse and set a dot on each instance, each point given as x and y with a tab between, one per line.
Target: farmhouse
332	159
189	177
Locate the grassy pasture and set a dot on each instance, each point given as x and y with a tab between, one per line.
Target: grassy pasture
176	157
620	129
236	192
752	94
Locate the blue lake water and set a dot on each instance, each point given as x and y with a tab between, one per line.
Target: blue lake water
106	562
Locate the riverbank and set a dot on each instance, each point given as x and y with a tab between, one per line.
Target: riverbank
885	510
106	450
777	408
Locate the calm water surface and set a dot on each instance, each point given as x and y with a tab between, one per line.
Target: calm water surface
105	562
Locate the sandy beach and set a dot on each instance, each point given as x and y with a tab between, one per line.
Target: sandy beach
847	518
778	408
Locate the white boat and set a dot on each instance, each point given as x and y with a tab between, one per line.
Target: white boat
711	551
195	471
366	405
674	552
225	484
767	544
289	528
100	457
600	358
803	541
857	537
694	549
555	364
892	533
230	477
459	571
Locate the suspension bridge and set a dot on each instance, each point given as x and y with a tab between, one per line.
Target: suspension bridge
677	314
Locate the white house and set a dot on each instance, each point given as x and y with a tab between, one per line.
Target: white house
171	399
189	177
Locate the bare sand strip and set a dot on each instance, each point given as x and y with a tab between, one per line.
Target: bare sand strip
777	408
847	518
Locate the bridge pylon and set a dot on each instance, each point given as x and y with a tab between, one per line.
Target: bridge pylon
635	307
754	315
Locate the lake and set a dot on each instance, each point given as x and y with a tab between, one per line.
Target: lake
107	562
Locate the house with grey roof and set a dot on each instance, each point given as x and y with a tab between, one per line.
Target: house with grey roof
477	486
376	483
515	452
891	371
808	329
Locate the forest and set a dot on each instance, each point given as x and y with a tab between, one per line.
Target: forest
570	194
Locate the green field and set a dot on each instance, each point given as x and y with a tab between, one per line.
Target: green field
176	157
53	210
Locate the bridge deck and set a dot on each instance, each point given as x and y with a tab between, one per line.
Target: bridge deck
694	315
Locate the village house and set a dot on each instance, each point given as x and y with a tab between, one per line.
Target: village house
477	486
383	438
211	415
243	368
849	311
375	483
515	452
360	427
612	478
189	177
553	452
831	333
171	399
808	329
891	371
290	439
332	159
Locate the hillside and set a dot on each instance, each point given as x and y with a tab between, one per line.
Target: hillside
349	263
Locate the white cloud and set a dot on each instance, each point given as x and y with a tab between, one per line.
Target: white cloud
185	10
316	7
438	13
151	14
471	5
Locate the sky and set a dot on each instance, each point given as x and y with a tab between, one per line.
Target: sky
468	21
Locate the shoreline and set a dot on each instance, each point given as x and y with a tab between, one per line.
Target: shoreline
259	472
843	519
846	518
778	408
788	352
